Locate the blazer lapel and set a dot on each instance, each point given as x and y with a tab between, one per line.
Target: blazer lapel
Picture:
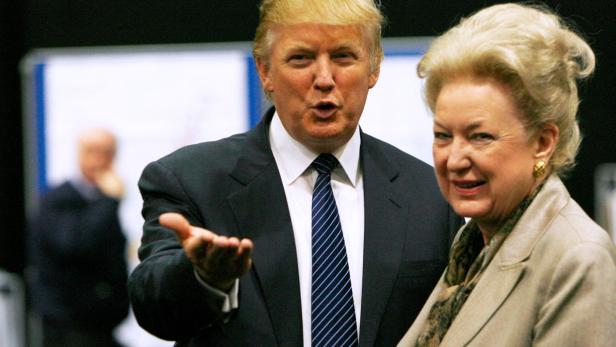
262	212
491	291
385	219
508	266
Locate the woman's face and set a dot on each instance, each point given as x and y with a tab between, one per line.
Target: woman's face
483	156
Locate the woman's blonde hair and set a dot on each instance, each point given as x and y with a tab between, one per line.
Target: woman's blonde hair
531	50
337	12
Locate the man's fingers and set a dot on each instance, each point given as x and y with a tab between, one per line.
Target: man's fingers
177	222
195	248
203	234
219	259
222	251
246	246
245	255
230	254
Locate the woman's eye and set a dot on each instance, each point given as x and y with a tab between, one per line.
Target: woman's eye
482	137
438	135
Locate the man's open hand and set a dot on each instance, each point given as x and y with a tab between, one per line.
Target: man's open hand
219	260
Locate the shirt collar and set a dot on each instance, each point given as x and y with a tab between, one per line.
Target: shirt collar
293	158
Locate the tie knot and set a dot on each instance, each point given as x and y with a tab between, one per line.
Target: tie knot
324	163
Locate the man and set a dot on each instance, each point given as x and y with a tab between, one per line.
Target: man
78	251
249	278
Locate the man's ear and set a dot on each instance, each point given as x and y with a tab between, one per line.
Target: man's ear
546	141
374	76
263	70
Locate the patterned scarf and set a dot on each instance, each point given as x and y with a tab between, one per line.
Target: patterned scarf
467	261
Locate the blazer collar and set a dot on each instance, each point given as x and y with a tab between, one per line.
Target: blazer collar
501	277
531	226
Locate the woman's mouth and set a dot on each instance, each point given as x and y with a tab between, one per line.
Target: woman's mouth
468	187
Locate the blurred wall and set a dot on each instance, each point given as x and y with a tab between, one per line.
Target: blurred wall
28	24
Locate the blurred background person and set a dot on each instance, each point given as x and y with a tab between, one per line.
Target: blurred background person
77	251
530	268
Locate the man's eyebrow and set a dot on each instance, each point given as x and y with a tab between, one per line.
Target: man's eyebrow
297	46
350	45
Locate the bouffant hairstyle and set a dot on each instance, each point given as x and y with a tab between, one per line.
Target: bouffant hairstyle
529	49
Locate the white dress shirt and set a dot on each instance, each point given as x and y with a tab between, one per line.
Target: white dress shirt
298	178
293	161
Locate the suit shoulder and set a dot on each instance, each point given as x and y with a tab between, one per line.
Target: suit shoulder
211	153
575	225
571	232
574	240
62	191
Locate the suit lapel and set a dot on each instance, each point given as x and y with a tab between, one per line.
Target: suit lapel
384	226
262	212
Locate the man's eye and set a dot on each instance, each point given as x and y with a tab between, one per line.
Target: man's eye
298	58
343	57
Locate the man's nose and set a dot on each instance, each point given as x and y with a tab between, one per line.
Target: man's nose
324	78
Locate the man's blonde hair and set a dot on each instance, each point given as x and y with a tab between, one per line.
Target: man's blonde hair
363	13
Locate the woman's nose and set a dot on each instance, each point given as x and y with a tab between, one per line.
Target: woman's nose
459	156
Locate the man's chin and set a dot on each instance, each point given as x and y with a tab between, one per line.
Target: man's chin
325	142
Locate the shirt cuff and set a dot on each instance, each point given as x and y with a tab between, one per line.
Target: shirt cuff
230	299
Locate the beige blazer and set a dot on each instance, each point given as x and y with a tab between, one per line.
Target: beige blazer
552	283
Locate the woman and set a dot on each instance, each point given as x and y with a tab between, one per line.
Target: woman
530	267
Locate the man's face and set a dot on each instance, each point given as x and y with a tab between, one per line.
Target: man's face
96	153
318	76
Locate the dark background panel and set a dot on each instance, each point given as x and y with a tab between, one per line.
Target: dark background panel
29	24
11	178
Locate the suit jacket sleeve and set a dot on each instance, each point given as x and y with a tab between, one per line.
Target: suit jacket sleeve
580	291
167	299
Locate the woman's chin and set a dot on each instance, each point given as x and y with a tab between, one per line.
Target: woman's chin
467	210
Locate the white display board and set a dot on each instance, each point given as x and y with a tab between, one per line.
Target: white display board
395	111
158	99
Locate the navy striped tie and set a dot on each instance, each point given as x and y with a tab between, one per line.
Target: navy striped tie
333	312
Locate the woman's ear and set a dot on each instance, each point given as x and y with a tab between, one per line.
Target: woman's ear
546	140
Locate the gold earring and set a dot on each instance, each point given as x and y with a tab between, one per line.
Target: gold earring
539	169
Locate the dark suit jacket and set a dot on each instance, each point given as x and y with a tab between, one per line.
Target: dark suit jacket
233	187
77	248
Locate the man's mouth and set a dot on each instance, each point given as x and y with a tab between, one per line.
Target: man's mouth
325	109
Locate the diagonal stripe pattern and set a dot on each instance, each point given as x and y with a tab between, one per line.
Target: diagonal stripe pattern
333	312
